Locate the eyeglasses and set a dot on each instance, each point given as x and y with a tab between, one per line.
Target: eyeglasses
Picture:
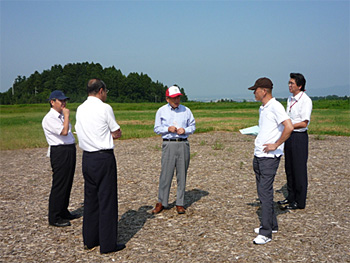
291	83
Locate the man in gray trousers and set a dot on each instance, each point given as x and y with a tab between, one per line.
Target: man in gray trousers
275	128
174	122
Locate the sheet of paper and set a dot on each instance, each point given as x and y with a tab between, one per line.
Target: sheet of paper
254	130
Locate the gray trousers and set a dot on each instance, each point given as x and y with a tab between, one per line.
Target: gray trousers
174	155
265	170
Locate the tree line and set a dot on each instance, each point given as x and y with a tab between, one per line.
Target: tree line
72	80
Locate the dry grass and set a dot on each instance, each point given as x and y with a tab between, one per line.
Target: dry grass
222	209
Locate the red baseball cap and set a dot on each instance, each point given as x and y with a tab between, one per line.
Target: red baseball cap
173	91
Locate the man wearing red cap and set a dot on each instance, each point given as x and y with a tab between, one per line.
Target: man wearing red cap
275	128
174	122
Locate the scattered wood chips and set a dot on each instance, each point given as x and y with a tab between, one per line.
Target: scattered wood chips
221	200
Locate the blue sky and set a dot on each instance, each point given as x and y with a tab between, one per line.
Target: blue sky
212	49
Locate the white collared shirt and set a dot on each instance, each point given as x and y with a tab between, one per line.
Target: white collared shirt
271	116
53	125
299	109
95	121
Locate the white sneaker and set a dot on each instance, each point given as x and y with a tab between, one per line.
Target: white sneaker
256	230
261	240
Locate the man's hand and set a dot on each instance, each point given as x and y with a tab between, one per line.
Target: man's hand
172	129
65	112
116	134
288	128
65	129
180	131
270	147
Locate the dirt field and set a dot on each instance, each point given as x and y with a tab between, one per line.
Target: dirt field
221	201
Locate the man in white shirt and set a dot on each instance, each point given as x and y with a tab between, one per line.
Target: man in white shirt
299	108
175	123
96	128
275	127
62	152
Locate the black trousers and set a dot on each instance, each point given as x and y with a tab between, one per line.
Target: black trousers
265	171
100	222
63	159
296	150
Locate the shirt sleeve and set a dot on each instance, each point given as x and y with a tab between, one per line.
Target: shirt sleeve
305	110
53	125
160	128
191	123
112	123
280	113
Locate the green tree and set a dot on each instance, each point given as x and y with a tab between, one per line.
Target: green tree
72	80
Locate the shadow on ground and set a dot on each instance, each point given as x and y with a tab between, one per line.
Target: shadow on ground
283	190
191	197
132	221
277	208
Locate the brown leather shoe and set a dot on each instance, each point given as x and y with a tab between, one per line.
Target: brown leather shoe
180	209
159	208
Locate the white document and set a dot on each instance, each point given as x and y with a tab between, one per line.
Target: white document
48	151
254	130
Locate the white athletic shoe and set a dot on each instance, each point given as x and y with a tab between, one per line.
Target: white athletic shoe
261	240
256	230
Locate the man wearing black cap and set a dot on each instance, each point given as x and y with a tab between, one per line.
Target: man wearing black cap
62	152
274	129
175	123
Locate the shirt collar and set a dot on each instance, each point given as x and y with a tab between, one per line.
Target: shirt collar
94	98
56	113
171	108
296	97
268	103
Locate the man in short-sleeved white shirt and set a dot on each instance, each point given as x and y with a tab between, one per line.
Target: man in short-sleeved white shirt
299	108
270	114
95	125
96	128
274	128
62	153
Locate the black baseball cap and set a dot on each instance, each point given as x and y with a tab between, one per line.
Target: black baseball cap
59	95
262	83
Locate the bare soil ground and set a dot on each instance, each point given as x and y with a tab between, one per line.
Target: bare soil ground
221	201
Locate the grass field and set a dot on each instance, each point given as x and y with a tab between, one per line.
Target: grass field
20	125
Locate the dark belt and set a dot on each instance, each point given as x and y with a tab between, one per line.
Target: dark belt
63	145
299	132
175	140
100	151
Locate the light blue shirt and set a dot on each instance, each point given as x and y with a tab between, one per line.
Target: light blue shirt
181	117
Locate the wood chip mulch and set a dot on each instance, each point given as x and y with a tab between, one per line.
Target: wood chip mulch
221	200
